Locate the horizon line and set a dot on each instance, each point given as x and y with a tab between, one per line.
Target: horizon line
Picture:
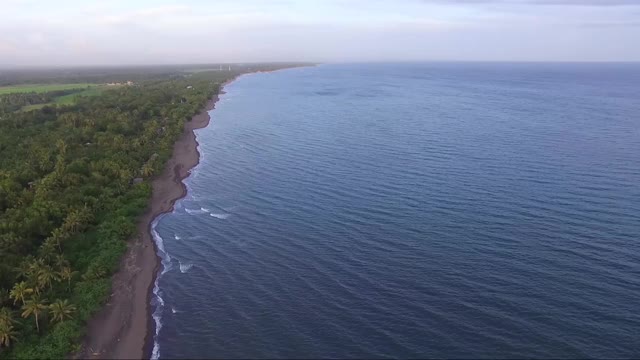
245	63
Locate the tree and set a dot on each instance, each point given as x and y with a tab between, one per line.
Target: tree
24	270
61	310
34	307
20	292
147	170
45	276
66	274
6	317
7	334
60	261
73	221
48	248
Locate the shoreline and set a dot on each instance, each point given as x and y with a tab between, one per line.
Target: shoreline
124	326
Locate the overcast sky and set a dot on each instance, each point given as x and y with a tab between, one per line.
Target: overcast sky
91	32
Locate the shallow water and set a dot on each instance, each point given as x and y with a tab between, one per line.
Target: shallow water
411	210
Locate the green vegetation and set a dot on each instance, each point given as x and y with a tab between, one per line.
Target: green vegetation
71	98
42	88
68	202
68	99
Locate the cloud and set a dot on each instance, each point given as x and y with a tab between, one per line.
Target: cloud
179	31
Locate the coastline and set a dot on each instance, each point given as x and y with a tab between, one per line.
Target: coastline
124	327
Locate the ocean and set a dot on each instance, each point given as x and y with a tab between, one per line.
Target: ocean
459	210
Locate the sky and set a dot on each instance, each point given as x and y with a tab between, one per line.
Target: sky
132	32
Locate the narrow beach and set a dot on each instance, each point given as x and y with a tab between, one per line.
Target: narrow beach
123	327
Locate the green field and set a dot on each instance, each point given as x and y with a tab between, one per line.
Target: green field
69	99
42	88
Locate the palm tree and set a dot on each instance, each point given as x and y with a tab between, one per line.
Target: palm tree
66	274
147	170
34	307
61	310
73	221
62	147
24	270
6	334
6	317
20	292
45	276
48	248
60	261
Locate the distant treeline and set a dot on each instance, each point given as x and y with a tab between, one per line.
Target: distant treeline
69	202
120	74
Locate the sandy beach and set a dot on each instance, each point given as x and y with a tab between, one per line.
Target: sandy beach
122	328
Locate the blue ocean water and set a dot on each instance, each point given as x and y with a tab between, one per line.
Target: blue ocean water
411	210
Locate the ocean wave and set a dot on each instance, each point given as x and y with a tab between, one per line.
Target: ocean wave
177	237
220	216
159	301
197	211
184	267
162	253
157	318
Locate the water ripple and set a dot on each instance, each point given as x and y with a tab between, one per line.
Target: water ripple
412	211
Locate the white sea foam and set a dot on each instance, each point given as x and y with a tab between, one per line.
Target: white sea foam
220	216
177	237
162	253
157	318
159	301
196	211
184	267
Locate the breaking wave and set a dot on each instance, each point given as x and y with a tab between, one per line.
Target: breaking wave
184	267
197	211
158	301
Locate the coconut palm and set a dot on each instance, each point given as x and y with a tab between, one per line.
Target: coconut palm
24	270
7	334
66	274
34	307
147	170
20	292
48	248
61	310
73	221
60	261
6	317
45	276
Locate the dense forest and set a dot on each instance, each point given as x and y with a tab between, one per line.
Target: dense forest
69	202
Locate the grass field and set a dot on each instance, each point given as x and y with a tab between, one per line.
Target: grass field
70	98
42	88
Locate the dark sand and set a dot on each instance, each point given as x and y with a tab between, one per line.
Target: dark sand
122	329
